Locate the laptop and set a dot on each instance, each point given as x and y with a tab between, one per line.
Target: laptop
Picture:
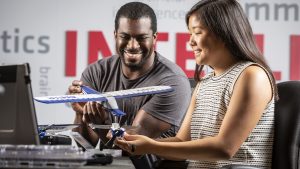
19	127
18	122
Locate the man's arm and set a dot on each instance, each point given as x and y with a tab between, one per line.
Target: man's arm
94	112
162	111
82	116
149	125
85	130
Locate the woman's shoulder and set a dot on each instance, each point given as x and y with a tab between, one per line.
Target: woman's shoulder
255	71
255	77
249	74
250	71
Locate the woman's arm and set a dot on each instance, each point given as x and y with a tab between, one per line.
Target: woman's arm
184	131
251	94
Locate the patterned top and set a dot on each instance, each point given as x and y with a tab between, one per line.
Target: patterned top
212	101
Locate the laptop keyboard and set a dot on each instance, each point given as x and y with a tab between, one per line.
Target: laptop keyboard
42	156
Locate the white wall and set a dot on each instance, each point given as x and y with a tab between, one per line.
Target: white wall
35	31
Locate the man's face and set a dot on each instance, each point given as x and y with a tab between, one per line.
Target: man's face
135	41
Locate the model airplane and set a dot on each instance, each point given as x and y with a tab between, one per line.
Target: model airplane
108	99
92	95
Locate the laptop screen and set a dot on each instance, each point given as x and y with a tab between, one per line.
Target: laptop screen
18	123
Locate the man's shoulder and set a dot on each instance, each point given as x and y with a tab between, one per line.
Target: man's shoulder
104	62
101	66
97	73
167	64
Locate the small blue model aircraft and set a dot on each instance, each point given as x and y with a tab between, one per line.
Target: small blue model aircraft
108	100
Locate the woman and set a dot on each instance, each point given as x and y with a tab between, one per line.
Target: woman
231	115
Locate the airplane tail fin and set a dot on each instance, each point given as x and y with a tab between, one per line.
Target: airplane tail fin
117	112
88	90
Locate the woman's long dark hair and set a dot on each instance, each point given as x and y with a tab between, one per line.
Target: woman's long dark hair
227	20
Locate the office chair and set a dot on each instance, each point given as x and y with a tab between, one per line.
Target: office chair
287	129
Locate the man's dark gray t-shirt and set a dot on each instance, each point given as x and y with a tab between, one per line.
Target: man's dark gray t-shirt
106	75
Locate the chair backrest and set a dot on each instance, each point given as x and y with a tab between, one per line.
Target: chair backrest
287	126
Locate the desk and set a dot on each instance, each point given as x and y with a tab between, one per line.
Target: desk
118	163
48	157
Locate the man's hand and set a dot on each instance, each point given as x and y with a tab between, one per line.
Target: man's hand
94	112
88	112
76	89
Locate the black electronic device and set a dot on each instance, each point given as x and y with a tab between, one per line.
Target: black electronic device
100	159
56	140
50	134
18	123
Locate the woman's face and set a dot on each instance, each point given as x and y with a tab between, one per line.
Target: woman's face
203	42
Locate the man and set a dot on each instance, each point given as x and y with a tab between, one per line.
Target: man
135	65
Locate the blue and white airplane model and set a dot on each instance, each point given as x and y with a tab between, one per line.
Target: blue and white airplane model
108	99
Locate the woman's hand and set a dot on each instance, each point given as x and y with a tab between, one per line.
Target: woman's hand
136	144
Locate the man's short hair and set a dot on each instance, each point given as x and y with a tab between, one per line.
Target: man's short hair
136	10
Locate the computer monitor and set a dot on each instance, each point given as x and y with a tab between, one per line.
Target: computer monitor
18	123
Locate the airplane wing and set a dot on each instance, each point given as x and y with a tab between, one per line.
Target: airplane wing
103	96
55	128
104	126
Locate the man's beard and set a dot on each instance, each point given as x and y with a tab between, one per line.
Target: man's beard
137	65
